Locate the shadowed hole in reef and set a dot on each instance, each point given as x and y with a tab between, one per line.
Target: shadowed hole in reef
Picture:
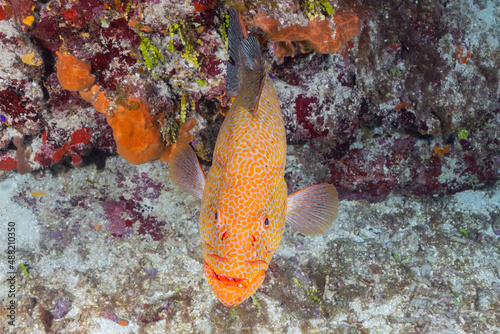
208	135
49	62
97	157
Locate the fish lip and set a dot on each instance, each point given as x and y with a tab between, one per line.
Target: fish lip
228	281
232	294
233	281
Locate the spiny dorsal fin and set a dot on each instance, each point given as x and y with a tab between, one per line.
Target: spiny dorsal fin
235	36
186	172
259	94
245	61
251	50
312	210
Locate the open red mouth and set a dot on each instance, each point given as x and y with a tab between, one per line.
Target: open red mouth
229	281
232	290
236	282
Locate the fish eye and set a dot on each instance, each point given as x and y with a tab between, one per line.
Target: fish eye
266	223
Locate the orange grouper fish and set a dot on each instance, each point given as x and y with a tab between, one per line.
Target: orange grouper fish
244	199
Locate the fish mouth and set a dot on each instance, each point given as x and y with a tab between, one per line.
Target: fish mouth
232	290
235	282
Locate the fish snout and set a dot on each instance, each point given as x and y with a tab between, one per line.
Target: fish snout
233	281
232	290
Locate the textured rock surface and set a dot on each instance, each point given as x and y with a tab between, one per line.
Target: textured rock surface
97	253
404	121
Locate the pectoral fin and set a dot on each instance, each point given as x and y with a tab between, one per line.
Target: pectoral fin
186	172
312	210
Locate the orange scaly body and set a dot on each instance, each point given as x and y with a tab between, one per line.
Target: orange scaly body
245	186
244	198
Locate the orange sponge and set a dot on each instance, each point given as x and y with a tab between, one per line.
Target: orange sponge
184	138
97	98
316	35
73	74
137	133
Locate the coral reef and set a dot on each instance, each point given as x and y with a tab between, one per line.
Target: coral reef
371	113
403	118
122	60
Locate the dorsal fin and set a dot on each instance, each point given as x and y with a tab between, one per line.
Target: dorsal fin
244	67
259	94
235	36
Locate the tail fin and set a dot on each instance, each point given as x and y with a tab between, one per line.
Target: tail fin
245	60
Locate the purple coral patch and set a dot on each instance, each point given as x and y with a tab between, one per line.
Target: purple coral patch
114	211
306	107
62	307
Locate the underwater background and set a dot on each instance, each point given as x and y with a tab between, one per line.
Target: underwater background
396	103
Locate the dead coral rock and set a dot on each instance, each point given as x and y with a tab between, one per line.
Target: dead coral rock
73	74
317	35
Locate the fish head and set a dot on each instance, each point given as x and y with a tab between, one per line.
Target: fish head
240	235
